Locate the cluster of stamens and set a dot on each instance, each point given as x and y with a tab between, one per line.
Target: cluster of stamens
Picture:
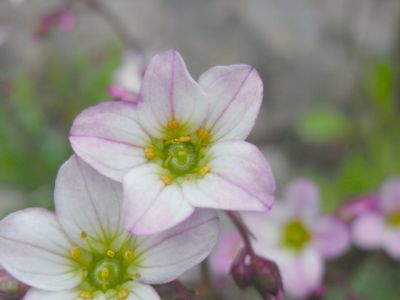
295	235
180	155
105	271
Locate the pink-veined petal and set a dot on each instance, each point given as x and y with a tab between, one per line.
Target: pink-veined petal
36	294
87	201
225	252
391	242
330	236
390	195
302	198
302	273
240	179
167	255
139	291
169	93
35	250
368	230
150	206
235	95
109	138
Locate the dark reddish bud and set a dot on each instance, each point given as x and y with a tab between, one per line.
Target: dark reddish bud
10	288
241	269
266	278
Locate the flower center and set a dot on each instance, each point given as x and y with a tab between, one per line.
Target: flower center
393	220
106	273
295	235
180	158
108	270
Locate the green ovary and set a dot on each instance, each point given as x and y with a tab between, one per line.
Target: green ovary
295	235
393	219
106	273
180	158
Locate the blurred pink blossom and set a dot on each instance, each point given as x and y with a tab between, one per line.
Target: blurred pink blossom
63	18
359	206
298	238
380	229
4	34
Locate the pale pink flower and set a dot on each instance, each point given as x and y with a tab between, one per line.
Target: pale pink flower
82	251
380	229
298	238
181	146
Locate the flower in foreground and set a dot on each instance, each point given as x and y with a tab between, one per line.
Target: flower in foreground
83	252
181	146
380	228
298	238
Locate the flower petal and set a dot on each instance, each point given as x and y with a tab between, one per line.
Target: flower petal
167	255
35	250
390	194
302	198
368	231
302	273
87	201
150	206
141	291
240	179
235	94
108	137
169	93
36	294
391	242
331	237
225	252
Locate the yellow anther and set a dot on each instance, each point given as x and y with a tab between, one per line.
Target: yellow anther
203	170
76	252
110	253
122	294
173	124
136	276
149	152
83	234
182	139
128	255
86	295
166	179
105	273
203	134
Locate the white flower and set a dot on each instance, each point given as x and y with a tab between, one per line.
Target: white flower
82	250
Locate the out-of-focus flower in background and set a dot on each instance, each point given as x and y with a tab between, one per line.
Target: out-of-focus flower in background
183	142
62	18
357	207
82	250
4	34
298	238
380	229
10	288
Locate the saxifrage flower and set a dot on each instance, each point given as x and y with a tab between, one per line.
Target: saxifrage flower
380	228
298	238
83	252
181	146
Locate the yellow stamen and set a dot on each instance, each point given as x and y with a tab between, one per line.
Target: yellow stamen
86	295
110	253
203	134
203	170
149	152
182	139
105	273
122	294
173	124
136	276
128	255
166	179
76	253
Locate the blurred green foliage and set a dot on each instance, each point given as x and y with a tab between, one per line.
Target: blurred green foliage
37	112
365	139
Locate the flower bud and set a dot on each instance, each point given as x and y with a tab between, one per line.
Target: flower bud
10	288
241	269
266	278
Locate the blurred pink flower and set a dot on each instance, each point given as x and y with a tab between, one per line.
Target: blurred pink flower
356	207
63	18
182	146
298	238
381	228
223	255
82	251
4	34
